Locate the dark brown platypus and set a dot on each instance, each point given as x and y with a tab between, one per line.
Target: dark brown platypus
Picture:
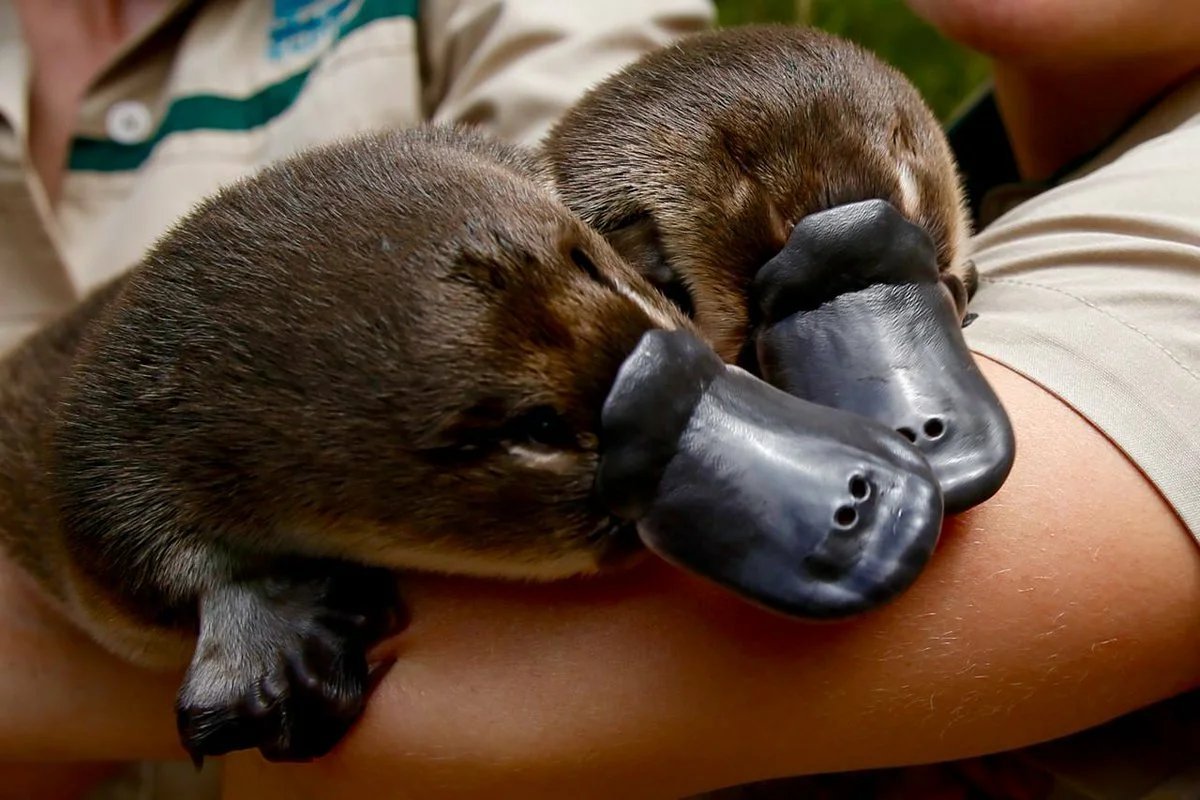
402	352
796	196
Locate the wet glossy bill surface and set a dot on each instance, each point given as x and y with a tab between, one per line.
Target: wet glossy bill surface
804	509
854	317
894	353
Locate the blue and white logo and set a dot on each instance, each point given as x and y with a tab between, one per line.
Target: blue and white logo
302	26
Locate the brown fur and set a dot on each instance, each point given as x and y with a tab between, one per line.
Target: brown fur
334	359
697	160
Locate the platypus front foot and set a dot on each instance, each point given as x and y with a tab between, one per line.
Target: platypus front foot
281	663
854	315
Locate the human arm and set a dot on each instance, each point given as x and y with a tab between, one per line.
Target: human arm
1051	608
63	698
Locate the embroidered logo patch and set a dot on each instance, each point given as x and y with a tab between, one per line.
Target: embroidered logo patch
302	26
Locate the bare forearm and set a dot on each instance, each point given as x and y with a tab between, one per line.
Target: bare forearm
1072	597
62	698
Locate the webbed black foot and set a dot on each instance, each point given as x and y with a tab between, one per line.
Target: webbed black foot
854	316
804	509
281	661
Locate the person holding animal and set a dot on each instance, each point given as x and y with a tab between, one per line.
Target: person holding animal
214	525
800	655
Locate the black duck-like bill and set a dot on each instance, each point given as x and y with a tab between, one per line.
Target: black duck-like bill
803	509
854	316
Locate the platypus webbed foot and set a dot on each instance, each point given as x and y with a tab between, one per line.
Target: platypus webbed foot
281	660
854	316
804	509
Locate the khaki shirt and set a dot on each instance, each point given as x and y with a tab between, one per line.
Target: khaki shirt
1091	288
214	90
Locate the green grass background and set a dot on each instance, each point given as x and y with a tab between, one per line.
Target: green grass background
946	73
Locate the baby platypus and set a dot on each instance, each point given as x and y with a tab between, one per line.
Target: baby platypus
403	352
797	197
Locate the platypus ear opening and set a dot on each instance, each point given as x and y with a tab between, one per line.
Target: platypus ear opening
970	279
637	239
958	292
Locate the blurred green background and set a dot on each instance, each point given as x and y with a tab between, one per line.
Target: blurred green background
946	74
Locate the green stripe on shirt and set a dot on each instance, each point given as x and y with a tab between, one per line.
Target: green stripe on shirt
216	113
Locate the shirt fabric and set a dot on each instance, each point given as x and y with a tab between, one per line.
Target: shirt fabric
1090	287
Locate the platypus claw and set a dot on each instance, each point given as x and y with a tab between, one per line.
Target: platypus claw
281	662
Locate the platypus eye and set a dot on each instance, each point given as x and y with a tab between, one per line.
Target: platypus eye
542	425
585	263
676	290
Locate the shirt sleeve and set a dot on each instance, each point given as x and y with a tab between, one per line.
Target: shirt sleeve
514	67
1092	290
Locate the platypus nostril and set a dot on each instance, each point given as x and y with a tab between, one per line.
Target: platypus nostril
934	427
845	517
859	488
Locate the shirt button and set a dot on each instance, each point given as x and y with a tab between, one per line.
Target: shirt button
128	122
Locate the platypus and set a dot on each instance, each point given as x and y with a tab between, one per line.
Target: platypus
403	352
798	198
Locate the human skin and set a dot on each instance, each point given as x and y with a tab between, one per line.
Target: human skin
1065	32
1067	73
1056	606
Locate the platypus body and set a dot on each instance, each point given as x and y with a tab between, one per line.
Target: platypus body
403	352
371	353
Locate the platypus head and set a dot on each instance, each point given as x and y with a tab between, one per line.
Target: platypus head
480	327
758	174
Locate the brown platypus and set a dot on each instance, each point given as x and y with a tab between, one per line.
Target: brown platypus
797	197
403	352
